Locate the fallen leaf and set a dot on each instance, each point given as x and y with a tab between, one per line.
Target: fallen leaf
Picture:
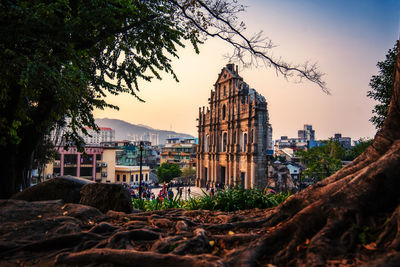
307	241
298	248
39	216
65	213
212	243
370	246
91	222
63	207
231	233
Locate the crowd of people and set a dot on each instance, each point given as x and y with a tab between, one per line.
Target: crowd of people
146	192
213	190
164	193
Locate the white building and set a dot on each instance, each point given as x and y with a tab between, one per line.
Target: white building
104	135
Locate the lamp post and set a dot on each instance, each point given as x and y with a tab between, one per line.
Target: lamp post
140	168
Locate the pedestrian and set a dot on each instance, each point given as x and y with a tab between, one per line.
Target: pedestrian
207	187
212	192
189	191
170	194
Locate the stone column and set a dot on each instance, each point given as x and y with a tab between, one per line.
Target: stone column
94	167
253	175
78	165
234	171
61	164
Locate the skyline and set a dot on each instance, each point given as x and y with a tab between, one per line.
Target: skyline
346	38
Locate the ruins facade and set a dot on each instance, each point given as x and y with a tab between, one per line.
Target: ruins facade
234	134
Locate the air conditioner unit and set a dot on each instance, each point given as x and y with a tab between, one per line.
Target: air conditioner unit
104	174
104	164
98	164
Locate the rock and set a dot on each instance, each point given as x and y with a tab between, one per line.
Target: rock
81	212
106	197
66	188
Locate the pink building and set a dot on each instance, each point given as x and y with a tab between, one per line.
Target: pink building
72	162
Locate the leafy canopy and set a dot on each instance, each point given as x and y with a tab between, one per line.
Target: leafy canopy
167	171
59	58
382	87
322	161
325	160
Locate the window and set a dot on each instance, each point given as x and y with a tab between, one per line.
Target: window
147	177
124	178
224	141
117	177
252	136
131	177
224	90
244	141
223	112
137	178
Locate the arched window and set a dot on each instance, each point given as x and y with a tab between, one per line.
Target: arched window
223	112
252	136
224	90
244	141
224	141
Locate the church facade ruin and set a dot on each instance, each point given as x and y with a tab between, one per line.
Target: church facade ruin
234	135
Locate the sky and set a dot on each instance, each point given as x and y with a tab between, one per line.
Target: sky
345	37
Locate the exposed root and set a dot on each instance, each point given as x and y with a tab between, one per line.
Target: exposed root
138	258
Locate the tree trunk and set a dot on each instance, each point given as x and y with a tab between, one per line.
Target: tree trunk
15	167
353	213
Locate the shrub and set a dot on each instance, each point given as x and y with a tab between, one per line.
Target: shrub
225	200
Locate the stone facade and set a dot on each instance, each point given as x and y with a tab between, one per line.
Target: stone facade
233	134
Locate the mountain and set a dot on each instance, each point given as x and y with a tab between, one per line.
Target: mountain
128	131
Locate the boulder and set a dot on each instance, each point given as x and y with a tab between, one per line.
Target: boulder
106	197
66	188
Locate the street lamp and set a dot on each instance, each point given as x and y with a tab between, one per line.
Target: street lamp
140	168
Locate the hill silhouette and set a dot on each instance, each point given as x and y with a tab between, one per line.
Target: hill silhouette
128	131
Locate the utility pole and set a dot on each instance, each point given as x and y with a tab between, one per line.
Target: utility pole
140	168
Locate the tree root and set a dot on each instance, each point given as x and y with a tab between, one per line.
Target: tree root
138	258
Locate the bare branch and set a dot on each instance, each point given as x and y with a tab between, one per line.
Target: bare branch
218	18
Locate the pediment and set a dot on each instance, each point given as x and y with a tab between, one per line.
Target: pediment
225	75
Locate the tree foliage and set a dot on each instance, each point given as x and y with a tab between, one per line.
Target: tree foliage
382	87
325	160
322	161
361	146
167	171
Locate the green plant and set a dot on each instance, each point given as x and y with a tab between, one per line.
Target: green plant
225	200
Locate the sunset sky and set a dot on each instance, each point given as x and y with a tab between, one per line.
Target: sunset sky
346	37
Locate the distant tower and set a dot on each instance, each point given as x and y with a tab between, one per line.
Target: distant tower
307	133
